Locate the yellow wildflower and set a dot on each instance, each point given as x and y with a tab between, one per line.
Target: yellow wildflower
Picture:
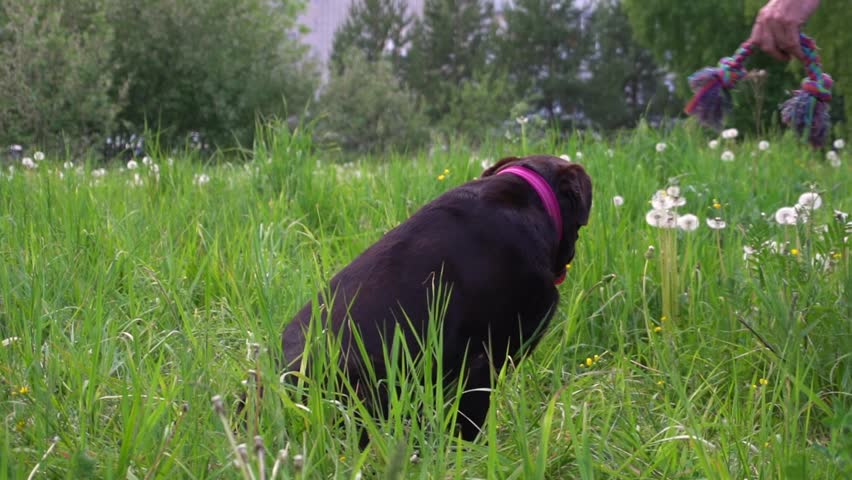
442	177
658	329
568	266
446	171
664	318
764	381
597	357
21	391
837	255
717	205
660	382
794	252
589	361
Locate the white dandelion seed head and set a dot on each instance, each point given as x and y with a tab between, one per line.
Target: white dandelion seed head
579	155
522	120
810	200
730	134
11	170
727	156
170	161
565	157
763	145
840	216
610	152
673	190
61	174
132	165
137	180
486	163
661	218
688	222
98	173
716	223
200	179
713	144
68	165
661	147
155	168
38	156
618	200
662	200
28	163
839	144
833	158
146	160
748	252
678	201
787	216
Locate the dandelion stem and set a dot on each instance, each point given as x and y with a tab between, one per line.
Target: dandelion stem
721	256
279	459
53	442
219	408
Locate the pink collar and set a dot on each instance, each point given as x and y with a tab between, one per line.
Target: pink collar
548	198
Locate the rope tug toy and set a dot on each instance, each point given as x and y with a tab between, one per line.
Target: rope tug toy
806	111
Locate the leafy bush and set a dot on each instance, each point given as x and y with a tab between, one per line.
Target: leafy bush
479	106
365	108
56	73
210	65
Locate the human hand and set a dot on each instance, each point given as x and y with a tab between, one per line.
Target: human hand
776	30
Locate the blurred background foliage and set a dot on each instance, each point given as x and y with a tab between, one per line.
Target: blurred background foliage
73	73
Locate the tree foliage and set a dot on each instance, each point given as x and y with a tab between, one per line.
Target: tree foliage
625	82
56	73
480	106
449	45
542	47
376	27
210	65
365	108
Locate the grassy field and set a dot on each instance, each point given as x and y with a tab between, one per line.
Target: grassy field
129	300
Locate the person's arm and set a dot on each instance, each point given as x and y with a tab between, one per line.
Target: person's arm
776	30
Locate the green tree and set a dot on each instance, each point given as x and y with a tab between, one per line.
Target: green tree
830	28
625	81
210	65
479	106
56	73
449	45
365	108
376	27
542	47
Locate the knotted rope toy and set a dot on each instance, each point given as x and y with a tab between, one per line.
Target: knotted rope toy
806	112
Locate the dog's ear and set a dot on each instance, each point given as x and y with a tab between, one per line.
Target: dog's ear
499	166
576	185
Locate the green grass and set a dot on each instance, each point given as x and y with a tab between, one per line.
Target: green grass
133	306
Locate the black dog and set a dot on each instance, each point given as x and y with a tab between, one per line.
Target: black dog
494	243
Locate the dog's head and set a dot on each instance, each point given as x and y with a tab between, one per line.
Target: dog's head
573	189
